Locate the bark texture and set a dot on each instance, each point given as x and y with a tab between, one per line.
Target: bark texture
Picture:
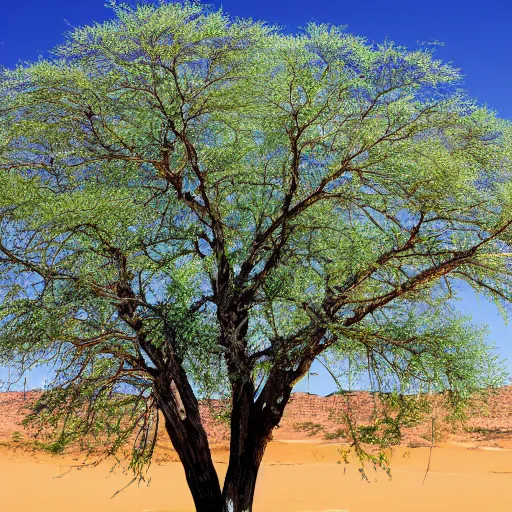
183	424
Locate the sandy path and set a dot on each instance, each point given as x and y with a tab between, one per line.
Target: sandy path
295	477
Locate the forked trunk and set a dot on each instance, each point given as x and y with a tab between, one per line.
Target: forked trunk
252	423
202	480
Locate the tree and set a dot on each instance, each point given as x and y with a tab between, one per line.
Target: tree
192	204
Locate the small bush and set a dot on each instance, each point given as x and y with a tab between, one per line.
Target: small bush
417	444
337	434
17	436
309	427
55	447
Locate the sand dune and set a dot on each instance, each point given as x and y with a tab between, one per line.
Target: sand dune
470	472
296	477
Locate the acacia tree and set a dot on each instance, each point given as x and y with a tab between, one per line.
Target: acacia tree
192	204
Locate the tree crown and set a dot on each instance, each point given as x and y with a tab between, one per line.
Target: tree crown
181	187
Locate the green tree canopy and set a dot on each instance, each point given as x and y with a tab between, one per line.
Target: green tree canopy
193	204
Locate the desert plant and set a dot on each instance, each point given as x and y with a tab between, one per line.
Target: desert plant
16	436
337	434
308	426
193	205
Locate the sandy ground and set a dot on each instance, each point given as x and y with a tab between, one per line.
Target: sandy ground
470	470
296	476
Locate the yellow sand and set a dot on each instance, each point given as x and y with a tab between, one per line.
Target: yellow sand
296	476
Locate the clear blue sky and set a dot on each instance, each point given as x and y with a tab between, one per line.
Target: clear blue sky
475	36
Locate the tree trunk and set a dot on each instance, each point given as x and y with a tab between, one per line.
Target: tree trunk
247	445
180	409
240	482
200	473
252	423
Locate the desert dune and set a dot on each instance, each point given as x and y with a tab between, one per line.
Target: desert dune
296	476
469	472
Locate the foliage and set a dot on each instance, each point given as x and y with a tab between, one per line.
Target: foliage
17	436
337	434
308	426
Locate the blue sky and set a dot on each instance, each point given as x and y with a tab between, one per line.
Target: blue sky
475	36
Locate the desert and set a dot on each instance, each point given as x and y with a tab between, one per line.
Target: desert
470	471
210	209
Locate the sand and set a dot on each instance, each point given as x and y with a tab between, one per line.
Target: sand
296	476
471	470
